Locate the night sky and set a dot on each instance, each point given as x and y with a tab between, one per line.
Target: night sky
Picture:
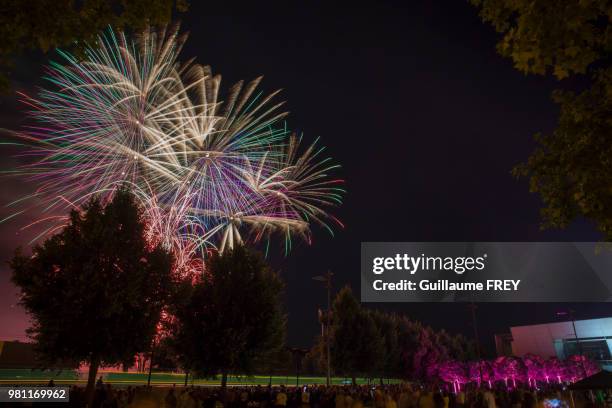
412	99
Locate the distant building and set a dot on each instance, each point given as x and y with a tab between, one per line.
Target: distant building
593	337
16	354
21	355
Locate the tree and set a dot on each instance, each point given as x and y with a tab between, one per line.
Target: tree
314	360
356	345
388	327
515	369
232	317
453	372
164	355
571	168
47	24
534	366
95	290
409	343
444	341
481	370
458	347
279	361
428	355
580	366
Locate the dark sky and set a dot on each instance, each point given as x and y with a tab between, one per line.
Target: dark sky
411	98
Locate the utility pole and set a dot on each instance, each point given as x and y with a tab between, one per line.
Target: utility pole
327	280
298	354
472	306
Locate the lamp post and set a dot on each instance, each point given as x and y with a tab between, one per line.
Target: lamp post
327	280
298	354
150	368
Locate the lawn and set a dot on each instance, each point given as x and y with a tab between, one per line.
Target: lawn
25	376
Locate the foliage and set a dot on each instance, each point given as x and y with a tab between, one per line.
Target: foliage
427	356
356	344
480	370
314	361
408	338
164	355
462	348
433	348
47	24
387	326
534	366
579	366
95	290
553	369
571	168
452	371
545	35
383	345
278	362
512	370
232	317
377	344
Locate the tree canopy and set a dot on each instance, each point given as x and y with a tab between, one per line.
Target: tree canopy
357	347
95	290
571	168
233	316
383	345
47	24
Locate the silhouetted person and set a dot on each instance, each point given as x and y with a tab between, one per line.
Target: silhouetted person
170	399
76	397
529	400
438	400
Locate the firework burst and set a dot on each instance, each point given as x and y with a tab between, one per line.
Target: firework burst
209	173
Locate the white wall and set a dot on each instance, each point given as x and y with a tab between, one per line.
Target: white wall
539	339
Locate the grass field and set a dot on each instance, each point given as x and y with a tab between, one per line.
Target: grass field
25	376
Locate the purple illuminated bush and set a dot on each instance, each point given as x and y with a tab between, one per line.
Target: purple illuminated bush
512	371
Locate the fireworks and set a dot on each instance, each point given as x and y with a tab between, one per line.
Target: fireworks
210	170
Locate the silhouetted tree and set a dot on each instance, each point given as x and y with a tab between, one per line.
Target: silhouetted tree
570	168
232	317
314	363
164	355
462	348
95	290
357	346
409	334
388	327
47	24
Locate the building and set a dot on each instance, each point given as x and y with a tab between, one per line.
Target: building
18	355
592	338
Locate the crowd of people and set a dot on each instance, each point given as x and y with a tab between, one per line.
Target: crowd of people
318	396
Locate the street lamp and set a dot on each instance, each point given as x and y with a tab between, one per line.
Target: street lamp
325	321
